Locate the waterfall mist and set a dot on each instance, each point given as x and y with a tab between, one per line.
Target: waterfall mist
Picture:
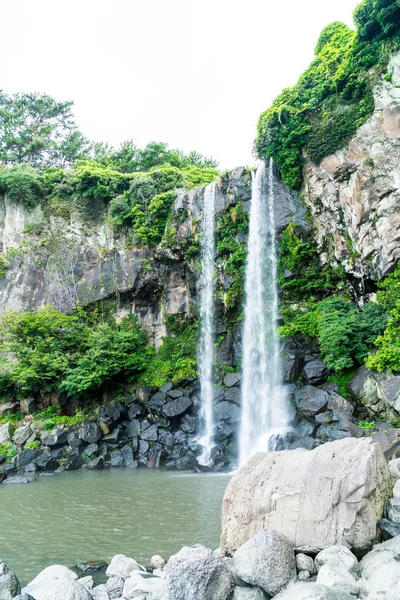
263	399
205	352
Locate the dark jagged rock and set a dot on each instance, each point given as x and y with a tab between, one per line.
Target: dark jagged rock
73	463
311	400
388	528
89	432
176	407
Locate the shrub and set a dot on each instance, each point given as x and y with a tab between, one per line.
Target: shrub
22	184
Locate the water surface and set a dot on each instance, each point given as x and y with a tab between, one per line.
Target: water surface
93	515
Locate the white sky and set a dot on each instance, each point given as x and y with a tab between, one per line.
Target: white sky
193	73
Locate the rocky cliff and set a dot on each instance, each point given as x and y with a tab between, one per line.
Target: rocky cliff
354	194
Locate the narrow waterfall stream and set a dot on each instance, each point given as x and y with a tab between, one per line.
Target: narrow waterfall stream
264	409
206	343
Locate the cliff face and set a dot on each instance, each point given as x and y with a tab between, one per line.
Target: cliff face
59	262
354	194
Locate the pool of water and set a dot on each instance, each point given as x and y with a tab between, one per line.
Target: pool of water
93	515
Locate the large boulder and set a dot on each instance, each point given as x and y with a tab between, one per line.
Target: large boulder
378	392
380	569
9	584
266	561
311	400
196	572
316	498
122	566
59	589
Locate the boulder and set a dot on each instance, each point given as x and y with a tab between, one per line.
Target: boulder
22	434
340	405
54	572
150	434
122	566
74	462
7	408
379	570
394	469
227	411
195	572
27	406
312	591
378	392
311	400
114	586
388	528
332	576
100	593
267	561
315	498
157	401
57	437
336	556
158	562
9	584
176	407
6	433
89	432
232	379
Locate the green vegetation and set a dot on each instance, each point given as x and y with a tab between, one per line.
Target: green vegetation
23	184
333	97
342	380
300	273
49	351
8	450
387	356
231	239
368	426
345	334
176	358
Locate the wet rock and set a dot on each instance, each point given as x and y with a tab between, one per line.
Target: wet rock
25	457
112	437
176	407
58	437
388	528
227	411
133	428
127	454
188	424
92	566
45	461
232	379
96	463
117	459
91	450
73	463
157	401
234	395
110	413
18	479
73	440
175	393
165	437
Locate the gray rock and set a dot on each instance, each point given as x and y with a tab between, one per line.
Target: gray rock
45	461
60	589
311	400
175	393
234	395
157	401
9	584
389	529
89	432
267	560
176	407
292	365
150	434
96	463
165	437
339	404
112	437
188	424
110	413
22	434
6	433
315	372
303	575
133	428
73	463
91	450
27	406
73	440
115	586
195	572
304	563
336	556
227	411
25	457
18	479
166	387
232	379
379	570
117	459
24	597
58	437
123	566
332	576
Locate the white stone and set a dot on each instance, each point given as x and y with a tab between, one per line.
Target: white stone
380	569
322	497
336	556
154	586
87	582
9	584
394	469
332	576
58	589
396	490
54	572
303	575
158	562
6	432
123	566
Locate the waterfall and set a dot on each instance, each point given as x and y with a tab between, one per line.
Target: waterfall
205	352
263	399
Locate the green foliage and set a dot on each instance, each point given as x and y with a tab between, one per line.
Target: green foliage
37	130
33	445
343	379
22	184
300	257
49	351
3	267
377	18
345	334
176	358
231	238
368	426
112	351
95	181
8	450
333	97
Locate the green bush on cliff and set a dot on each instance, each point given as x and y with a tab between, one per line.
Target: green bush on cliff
387	356
23	184
345	334
300	273
175	360
333	97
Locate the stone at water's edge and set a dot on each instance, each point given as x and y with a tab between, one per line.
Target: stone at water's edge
318	498
9	584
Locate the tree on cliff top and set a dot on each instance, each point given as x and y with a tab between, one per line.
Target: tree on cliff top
38	130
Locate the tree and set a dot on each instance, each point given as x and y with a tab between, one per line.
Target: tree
38	130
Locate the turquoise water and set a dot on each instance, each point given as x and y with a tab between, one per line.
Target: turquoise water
93	515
